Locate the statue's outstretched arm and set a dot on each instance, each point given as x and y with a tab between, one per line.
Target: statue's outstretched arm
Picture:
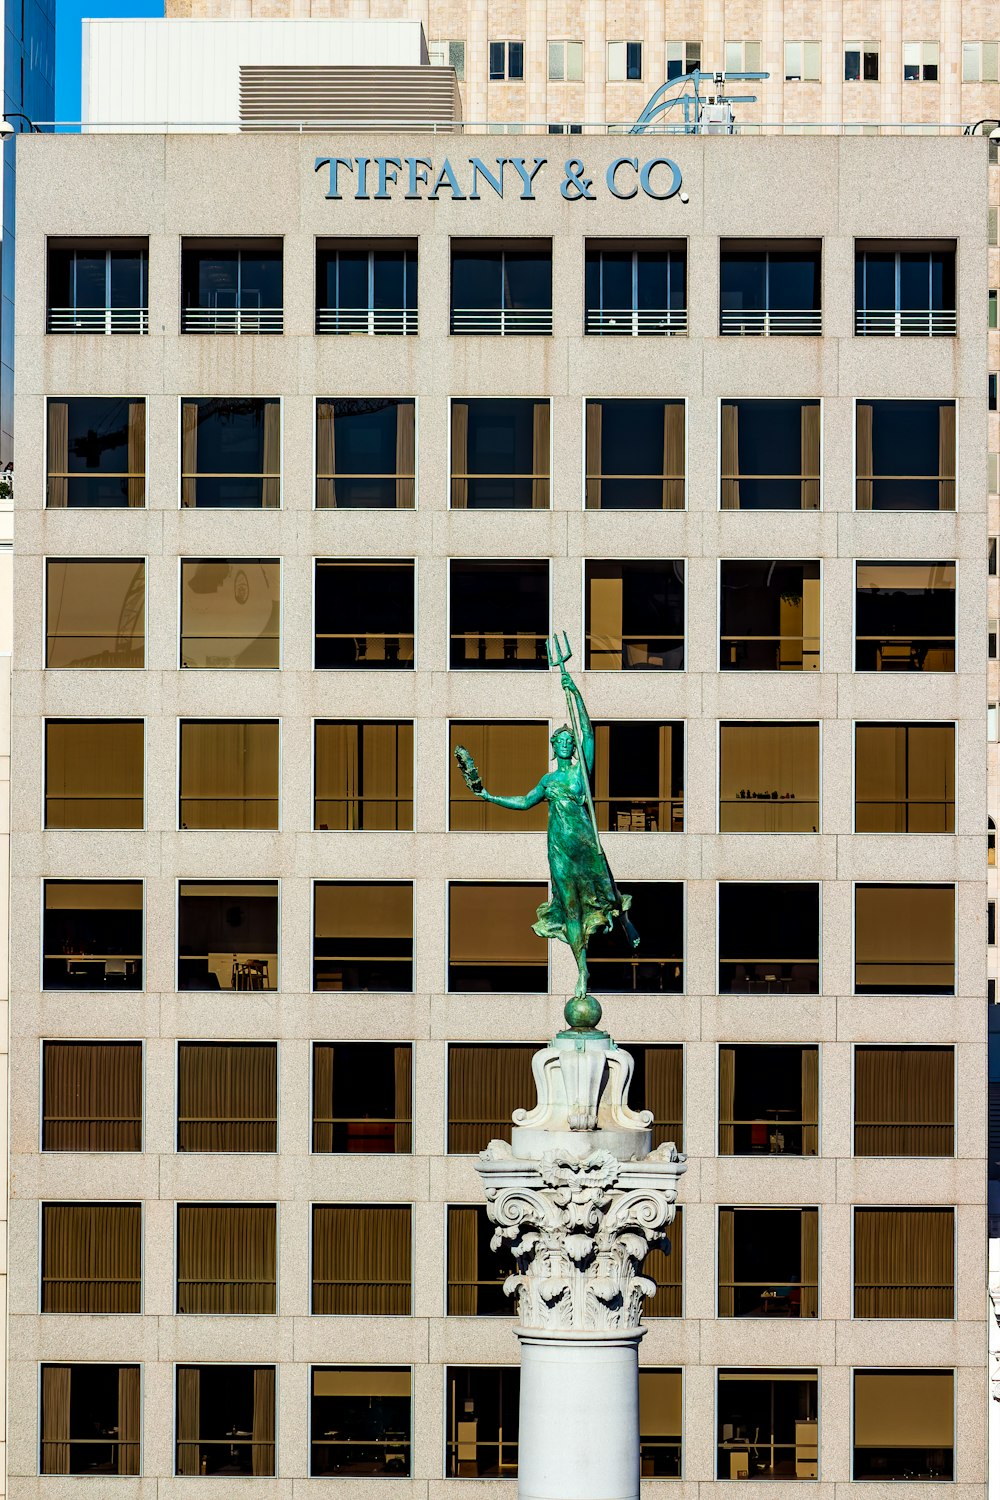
518	804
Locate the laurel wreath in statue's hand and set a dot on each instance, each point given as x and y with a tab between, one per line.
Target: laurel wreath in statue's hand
470	774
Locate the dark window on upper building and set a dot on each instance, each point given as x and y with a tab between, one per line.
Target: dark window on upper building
226	1258
904	778
768	937
231	453
506	61
768	1262
367	288
499	615
360	1421
476	1273
904	939
364	614
905	617
770	616
632	292
96	455
491	944
362	1097
361	1259
904	1262
904	289
91	1257
635	455
861	62
639	776
486	1083
768	1419
770	455
95	612
768	1100
94	773
770	287
92	935
482	1425
230	612
501	287
91	1096
363	935
231	286
98	286
227	935
363	774
634	616
657	965
624	62
225	1419
500	454
366	453
905	455
90	1419
227	1096
904	1424
904	1101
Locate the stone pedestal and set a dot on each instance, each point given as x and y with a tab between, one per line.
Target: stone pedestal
579	1200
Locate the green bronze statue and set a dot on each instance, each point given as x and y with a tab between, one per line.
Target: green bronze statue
585	898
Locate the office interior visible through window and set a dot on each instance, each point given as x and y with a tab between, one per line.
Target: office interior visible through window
657	965
91	1420
481	1403
499	615
363	935
225	1419
769	616
364	614
768	777
231	286
634	615
227	935
360	1421
476	1273
768	1100
362	1097
639	776
905	617
768	1424
98	286
92	934
768	1262
769	937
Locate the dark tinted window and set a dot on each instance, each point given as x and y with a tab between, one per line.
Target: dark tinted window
364	615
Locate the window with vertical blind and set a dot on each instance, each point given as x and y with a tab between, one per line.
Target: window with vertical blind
363	774
96	455
768	1262
363	935
500	456
769	616
91	1096
486	1083
658	1085
360	1420
904	1101
92	934
231	453
768	778
90	1419
226	1257
904	939
229	773
657	965
904	778
476	1273
904	1424
905	455
227	935
768	1100
364	614
366	455
639	776
904	617
665	1265
769	937
491	942
225	1419
904	1262
635	455
227	1096
95	612
94	773
362	1097
91	1258
499	615
512	756
230	613
361	1259
635	614
770	457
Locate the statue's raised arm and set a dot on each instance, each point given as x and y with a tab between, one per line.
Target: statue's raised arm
584	898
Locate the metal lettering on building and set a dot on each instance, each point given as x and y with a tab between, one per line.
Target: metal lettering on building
380	178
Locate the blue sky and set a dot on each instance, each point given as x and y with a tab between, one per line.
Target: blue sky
69	14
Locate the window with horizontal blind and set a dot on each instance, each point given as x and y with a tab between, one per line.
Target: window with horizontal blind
94	773
361	1421
231	453
904	939
90	1419
904	1101
229	773
634	615
635	455
486	1083
361	1259
770	456
230	613
364	614
768	778
91	1257
769	937
904	1424
364	774
768	1100
511	756
491	941
904	1262
95	611
226	1257
96	455
227	1096
363	935
657	965
904	778
366	456
768	1424
225	1419
768	1262
905	617
92	933
476	1273
91	1096
362	1097
227	935
905	455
